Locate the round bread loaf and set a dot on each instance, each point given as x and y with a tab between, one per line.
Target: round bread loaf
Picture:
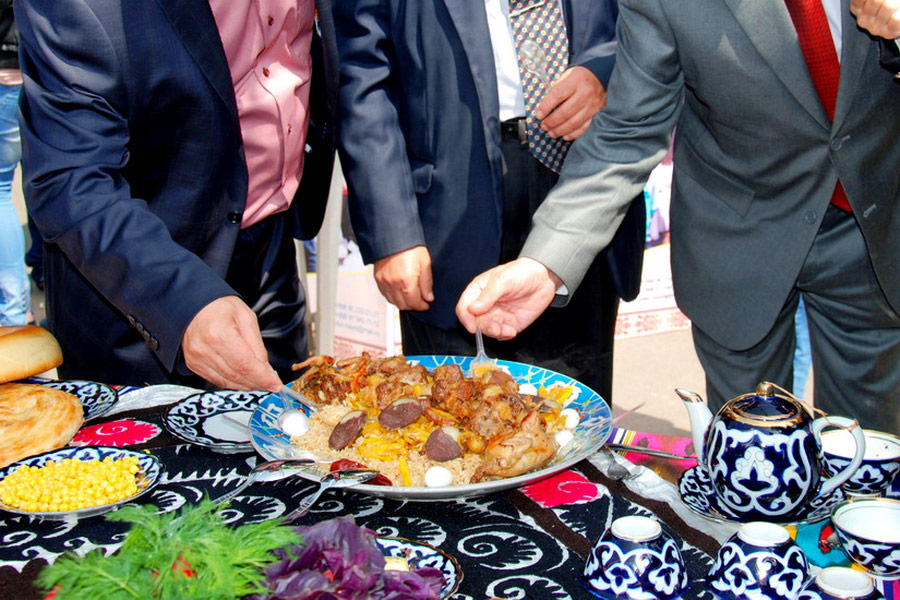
35	419
27	350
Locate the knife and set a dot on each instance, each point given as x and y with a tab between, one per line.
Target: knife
650	451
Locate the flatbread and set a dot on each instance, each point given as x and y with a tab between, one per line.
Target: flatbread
35	419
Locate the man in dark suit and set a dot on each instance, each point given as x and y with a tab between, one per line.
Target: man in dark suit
163	149
786	185
437	151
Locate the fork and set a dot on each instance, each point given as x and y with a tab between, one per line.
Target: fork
617	471
481	358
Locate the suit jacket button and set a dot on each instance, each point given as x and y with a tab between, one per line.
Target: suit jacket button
153	343
836	143
235	217
810	217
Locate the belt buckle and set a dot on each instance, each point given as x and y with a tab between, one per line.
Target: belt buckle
523	131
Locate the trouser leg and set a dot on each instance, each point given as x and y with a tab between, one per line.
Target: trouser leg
855	335
264	272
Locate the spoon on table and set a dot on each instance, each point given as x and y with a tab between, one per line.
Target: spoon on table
284	448
269	467
334	479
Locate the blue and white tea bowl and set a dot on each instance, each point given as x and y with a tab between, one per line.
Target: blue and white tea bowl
840	583
869	530
759	562
635	560
879	467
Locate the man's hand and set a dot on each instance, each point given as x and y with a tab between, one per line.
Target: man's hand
223	345
508	298
878	17
573	100
404	278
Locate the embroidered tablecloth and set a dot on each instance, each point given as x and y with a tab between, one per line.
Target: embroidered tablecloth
529	543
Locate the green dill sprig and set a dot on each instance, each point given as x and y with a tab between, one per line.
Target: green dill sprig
193	555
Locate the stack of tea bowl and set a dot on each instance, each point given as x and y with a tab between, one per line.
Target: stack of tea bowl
635	559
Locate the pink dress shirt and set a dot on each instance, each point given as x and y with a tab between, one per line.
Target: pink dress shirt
267	46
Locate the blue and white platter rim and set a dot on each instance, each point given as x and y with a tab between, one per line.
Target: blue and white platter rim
420	554
150	465
592	431
97	399
185	418
702	501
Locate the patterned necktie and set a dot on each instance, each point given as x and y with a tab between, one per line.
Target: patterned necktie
822	61
542	48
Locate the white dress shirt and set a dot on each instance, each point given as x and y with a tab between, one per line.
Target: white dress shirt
509	85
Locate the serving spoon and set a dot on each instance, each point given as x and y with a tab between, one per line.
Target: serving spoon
272	466
333	479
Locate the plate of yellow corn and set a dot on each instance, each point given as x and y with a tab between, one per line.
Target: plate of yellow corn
77	482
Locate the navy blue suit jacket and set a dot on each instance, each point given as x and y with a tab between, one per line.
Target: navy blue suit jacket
420	137
135	172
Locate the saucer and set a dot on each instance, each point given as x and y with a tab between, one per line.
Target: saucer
697	493
96	398
200	419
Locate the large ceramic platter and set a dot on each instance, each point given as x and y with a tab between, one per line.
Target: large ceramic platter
421	555
201	419
151	471
592	430
698	494
96	398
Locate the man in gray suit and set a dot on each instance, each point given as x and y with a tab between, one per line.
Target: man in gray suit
779	192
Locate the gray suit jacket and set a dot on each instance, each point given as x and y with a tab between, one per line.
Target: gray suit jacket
755	157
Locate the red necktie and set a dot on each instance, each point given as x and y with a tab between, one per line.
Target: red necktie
822	61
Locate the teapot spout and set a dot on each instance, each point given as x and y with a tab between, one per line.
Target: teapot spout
699	415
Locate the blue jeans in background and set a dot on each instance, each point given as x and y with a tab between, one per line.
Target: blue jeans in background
15	288
802	352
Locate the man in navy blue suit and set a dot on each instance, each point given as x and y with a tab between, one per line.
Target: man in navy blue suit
442	182
163	151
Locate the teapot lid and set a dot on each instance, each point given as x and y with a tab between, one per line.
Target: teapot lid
766	408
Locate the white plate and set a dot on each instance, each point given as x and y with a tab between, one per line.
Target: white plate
96	398
150	466
200	419
697	493
421	555
591	432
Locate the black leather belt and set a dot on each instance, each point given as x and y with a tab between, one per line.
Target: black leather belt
514	129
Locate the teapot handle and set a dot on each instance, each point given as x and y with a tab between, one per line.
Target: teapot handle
851	425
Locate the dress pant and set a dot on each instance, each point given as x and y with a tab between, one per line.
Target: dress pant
264	272
854	335
576	340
